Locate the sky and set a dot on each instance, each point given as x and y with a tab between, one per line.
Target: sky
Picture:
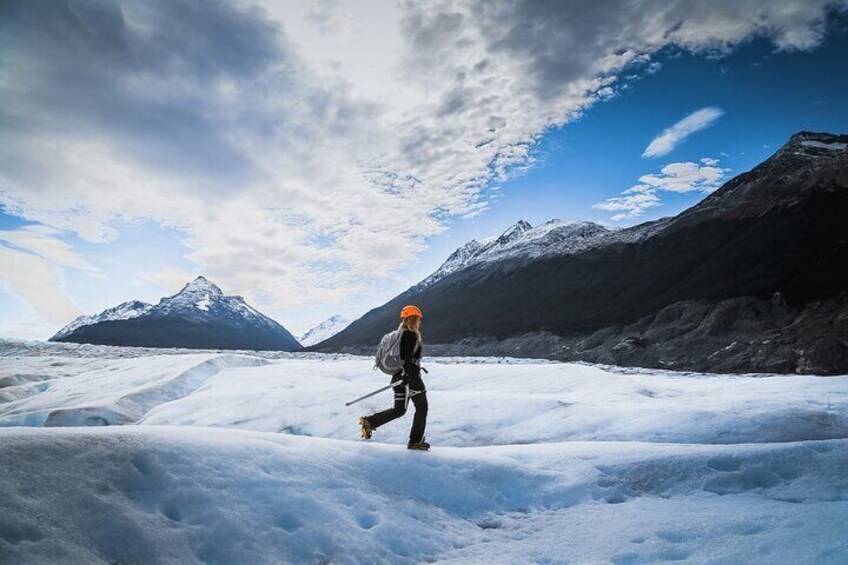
320	157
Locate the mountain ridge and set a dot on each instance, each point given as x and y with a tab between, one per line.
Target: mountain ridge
772	231
123	311
200	316
805	144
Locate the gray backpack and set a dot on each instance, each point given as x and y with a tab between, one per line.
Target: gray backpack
388	353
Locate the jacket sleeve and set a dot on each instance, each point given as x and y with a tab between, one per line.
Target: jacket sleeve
408	343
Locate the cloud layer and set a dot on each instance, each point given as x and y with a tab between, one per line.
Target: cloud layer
300	172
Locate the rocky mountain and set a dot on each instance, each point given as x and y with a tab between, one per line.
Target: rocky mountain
327	328
749	279
198	316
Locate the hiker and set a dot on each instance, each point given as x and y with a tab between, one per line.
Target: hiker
411	387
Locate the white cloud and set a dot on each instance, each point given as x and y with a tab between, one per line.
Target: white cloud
20	320
653	68
673	136
42	240
31	259
705	176
38	282
629	206
259	132
331	18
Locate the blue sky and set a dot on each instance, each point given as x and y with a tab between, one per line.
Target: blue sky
284	155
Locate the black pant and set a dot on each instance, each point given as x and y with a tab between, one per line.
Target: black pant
419	400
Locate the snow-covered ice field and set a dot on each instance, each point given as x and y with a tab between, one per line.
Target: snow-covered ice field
253	458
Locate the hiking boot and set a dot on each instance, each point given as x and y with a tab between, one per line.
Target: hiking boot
365	428
419	445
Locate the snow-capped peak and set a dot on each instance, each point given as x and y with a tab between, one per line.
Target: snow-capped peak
325	330
199	294
514	232
201	285
522	240
202	297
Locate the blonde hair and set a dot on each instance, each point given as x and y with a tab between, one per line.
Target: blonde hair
406	324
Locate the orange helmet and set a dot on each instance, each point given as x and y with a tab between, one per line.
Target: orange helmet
411	311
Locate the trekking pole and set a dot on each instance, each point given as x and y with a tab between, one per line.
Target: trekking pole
370	394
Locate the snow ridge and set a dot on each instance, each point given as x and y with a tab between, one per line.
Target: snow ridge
812	146
325	330
115	395
834	146
123	311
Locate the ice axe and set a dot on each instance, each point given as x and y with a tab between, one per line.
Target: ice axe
370	394
378	391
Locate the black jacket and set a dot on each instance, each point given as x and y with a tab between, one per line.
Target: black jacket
410	352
